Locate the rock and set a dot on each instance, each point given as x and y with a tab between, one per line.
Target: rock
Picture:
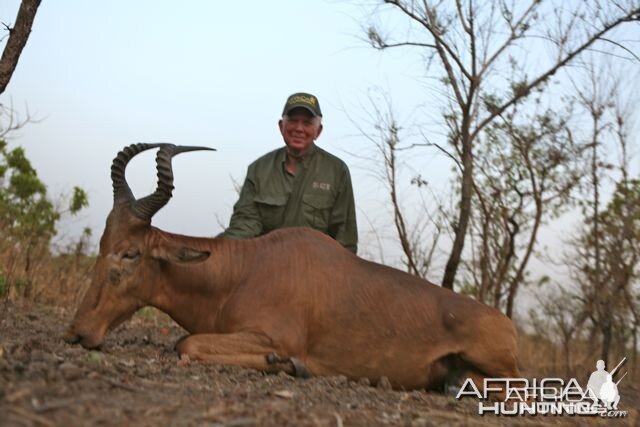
364	381
338	380
70	371
384	384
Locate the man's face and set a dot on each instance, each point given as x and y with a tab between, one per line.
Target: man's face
299	129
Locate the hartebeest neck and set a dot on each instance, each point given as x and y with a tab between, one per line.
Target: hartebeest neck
194	293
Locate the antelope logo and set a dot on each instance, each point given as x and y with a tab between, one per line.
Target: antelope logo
601	386
549	396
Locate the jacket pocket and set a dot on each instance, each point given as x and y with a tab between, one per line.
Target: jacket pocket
317	210
271	208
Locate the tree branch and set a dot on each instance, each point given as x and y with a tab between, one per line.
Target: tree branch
631	16
431	28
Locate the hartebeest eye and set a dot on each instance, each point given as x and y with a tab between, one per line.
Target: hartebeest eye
131	254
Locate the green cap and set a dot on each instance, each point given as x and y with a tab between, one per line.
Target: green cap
304	100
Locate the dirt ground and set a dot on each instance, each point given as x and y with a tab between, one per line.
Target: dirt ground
135	380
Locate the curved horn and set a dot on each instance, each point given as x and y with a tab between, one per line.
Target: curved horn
146	207
121	191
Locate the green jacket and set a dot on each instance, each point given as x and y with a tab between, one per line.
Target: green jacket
318	196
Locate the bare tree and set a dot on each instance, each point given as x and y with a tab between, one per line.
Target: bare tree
471	41
527	167
559	314
18	36
419	237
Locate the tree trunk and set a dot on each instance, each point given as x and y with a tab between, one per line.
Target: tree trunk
606	340
634	355
18	36
465	207
567	356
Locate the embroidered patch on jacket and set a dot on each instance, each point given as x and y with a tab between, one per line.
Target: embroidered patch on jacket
321	185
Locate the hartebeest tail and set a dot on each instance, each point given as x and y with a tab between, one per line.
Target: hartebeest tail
292	300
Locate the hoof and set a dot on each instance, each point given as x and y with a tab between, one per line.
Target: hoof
300	369
177	345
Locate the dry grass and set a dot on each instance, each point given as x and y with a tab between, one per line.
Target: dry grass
540	357
33	273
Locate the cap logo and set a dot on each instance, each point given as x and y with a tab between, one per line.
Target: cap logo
301	99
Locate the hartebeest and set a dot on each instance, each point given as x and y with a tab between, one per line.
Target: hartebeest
292	300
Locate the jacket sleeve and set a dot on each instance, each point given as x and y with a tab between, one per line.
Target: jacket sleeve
245	221
342	223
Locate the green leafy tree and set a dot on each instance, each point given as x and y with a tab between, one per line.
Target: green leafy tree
25	209
609	289
606	249
28	217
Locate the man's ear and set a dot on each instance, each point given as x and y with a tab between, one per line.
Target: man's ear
179	254
319	131
281	126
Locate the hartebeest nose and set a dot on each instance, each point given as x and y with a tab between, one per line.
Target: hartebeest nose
87	342
70	337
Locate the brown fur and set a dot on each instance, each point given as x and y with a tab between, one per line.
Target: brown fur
294	293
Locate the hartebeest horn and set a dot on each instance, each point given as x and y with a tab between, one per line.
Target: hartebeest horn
121	191
146	207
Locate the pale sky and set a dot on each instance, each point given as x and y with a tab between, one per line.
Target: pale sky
102	75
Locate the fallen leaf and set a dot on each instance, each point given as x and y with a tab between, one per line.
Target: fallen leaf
285	394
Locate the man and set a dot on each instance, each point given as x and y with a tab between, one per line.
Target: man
298	185
596	380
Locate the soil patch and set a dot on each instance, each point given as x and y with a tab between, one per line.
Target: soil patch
135	380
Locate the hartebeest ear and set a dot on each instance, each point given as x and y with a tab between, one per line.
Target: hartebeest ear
179	254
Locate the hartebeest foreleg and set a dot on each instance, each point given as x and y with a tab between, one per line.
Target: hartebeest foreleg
244	349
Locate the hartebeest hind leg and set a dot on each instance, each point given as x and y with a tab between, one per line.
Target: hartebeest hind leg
244	349
493	354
